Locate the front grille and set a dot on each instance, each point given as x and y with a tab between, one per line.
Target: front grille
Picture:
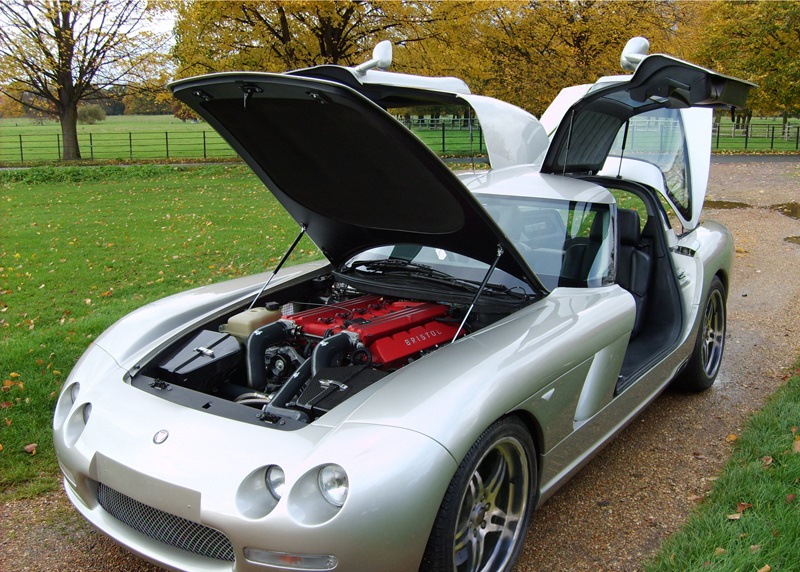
165	527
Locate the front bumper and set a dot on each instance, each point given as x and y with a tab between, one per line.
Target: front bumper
206	481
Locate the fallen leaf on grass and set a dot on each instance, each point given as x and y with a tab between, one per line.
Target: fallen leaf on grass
755	548
5	404
1	446
735	516
790	498
765	568
719	551
796	445
731	438
13	375
767	461
743	506
31	448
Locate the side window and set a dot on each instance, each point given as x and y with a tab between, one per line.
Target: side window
588	246
630	201
566	243
657	137
580	222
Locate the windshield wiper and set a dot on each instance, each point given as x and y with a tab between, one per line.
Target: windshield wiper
400	266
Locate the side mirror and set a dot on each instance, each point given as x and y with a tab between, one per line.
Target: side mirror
634	52
381	58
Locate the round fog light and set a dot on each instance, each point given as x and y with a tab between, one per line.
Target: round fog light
276	481
334	484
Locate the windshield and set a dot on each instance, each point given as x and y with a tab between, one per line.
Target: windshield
566	243
438	268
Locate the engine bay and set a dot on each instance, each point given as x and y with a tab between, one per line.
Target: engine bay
286	362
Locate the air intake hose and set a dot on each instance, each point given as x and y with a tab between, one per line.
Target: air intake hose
258	342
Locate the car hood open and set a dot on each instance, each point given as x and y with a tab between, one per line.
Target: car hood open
345	168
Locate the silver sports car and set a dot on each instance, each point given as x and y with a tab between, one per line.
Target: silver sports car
469	341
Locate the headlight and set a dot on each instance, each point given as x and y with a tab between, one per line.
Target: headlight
73	391
334	484
276	481
87	412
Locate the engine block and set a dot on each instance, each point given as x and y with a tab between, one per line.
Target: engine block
391	330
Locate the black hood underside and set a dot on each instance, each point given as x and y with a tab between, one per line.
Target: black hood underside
346	169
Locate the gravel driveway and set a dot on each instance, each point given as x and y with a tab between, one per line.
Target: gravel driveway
614	514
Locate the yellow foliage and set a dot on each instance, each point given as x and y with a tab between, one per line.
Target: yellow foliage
523	52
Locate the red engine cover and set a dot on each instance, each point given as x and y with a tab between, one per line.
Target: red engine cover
391	329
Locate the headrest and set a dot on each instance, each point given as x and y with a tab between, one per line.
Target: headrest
598	229
630	232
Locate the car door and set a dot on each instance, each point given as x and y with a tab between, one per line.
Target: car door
593	135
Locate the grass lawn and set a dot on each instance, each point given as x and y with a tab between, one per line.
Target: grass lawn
751	519
81	247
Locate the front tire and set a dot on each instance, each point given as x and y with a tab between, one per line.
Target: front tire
703	366
483	518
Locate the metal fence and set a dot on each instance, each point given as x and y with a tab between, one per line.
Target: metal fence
448	136
756	137
131	145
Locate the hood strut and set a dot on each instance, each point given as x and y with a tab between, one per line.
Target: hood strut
480	291
280	264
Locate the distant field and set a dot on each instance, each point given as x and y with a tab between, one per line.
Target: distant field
136	137
159	137
131	137
112	123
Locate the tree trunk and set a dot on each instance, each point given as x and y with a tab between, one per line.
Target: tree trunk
69	133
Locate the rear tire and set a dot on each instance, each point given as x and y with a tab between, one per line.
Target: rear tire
703	367
484	515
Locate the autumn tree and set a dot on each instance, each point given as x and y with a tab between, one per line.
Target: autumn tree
759	41
66	51
277	36
150	97
536	48
10	107
523	52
